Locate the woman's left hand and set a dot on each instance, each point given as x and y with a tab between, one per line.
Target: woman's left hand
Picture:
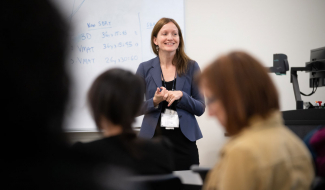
173	95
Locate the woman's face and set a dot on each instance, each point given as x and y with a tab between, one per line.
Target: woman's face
167	38
215	107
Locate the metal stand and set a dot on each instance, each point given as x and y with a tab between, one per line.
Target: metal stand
295	84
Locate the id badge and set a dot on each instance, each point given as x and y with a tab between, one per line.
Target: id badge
169	119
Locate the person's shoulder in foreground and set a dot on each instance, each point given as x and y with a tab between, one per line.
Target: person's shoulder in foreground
266	155
143	156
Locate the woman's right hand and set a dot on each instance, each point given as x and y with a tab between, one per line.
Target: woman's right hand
160	95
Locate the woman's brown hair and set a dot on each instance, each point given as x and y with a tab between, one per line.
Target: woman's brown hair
244	88
180	59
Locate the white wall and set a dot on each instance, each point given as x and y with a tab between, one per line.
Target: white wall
262	28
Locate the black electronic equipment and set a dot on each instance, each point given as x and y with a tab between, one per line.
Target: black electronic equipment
317	54
280	64
316	67
301	122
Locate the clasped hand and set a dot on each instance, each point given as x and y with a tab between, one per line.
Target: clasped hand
164	94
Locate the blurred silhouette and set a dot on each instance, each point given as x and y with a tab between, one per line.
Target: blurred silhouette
261	152
317	146
35	153
317	142
114	99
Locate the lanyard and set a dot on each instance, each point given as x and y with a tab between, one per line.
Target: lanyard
165	81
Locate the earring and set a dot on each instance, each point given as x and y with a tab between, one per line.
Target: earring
157	48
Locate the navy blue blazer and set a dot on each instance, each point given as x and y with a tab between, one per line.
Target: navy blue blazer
192	103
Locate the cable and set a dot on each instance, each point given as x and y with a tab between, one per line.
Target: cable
312	90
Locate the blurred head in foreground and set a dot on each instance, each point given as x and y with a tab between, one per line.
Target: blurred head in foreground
35	152
238	87
261	153
34	55
114	99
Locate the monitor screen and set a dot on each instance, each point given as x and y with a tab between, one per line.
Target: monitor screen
317	54
317	68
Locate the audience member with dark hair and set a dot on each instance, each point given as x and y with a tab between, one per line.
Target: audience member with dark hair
115	99
261	152
35	153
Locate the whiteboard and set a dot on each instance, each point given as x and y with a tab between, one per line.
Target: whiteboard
108	34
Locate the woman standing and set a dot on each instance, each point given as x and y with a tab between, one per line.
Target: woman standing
172	97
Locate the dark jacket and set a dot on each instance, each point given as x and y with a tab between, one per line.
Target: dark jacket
142	156
191	104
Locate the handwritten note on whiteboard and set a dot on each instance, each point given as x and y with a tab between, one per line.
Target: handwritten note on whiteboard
108	34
